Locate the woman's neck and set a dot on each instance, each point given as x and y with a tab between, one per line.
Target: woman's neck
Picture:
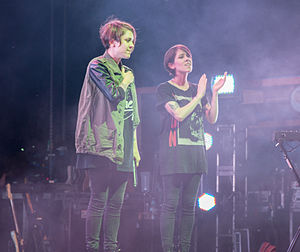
180	80
111	54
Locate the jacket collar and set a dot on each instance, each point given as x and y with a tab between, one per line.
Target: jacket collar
112	61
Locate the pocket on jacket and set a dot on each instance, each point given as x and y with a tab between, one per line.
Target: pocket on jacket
106	136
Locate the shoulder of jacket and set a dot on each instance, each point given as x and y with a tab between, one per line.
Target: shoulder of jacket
99	59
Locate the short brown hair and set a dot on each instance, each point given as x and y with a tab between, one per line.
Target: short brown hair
170	56
113	29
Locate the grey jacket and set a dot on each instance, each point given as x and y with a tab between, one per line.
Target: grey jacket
100	121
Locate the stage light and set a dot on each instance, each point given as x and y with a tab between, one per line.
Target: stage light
206	202
208	138
295	99
229	86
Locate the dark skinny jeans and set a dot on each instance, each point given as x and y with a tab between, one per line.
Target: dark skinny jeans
175	186
107	195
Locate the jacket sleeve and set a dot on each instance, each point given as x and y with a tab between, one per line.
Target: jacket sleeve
103	80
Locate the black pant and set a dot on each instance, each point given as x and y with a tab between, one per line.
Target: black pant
107	195
175	186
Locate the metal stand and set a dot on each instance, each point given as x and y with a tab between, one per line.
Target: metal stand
294	240
291	166
226	188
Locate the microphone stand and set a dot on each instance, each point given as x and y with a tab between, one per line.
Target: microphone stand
292	167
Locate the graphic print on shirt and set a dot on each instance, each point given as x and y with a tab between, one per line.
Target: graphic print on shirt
128	112
190	130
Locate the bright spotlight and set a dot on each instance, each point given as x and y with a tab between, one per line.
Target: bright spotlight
229	86
208	140
206	202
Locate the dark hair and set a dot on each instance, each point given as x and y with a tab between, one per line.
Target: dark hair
113	29
170	56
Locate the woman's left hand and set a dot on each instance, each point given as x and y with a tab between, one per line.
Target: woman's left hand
136	156
219	84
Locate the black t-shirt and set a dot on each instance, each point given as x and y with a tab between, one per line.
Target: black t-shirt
182	145
128	134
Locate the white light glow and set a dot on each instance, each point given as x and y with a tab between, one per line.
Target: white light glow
208	140
206	202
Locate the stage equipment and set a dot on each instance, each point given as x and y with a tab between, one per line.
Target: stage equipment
145	181
231	233
289	136
280	137
15	234
271	91
225	186
229	86
241	240
294	208
40	239
206	202
42	228
267	247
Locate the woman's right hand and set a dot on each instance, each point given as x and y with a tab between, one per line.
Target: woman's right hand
128	78
201	86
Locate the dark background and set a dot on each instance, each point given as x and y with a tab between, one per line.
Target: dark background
251	39
46	46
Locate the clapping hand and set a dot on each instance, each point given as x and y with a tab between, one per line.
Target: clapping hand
202	86
219	84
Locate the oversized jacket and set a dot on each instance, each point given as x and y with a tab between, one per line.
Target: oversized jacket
100	121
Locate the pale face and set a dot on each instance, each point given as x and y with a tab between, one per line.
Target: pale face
182	63
123	49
